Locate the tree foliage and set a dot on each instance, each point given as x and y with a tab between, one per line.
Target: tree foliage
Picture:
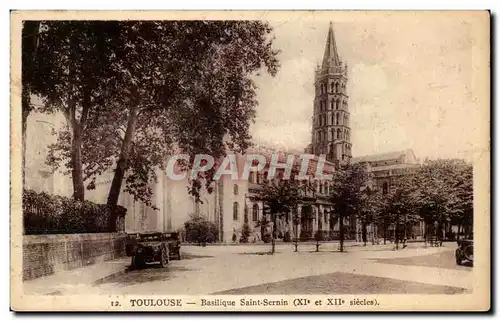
346	193
445	192
29	46
200	230
136	92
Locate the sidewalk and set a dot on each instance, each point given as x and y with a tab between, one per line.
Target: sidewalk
65	282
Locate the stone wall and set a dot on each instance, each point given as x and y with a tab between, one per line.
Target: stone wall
47	254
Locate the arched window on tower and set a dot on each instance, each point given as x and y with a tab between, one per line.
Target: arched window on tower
339	135
255	213
251	177
337	119
332	105
235	211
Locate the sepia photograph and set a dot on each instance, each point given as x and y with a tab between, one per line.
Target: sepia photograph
250	161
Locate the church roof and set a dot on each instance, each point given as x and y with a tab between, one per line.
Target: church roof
382	157
331	54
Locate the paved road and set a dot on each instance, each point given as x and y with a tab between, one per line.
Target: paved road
250	269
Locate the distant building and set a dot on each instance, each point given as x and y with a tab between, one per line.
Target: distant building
386	169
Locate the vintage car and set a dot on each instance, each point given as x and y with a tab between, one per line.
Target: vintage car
464	255
153	247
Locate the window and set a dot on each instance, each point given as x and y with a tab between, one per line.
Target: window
245	215
235	211
339	135
385	188
337	119
332	104
235	189
251	177
255	212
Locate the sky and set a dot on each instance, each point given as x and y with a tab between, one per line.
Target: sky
416	80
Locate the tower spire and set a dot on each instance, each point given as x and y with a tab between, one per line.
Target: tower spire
331	54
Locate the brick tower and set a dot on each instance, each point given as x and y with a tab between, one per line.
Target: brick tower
331	131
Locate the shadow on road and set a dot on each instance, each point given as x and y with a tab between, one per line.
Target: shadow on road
150	273
443	260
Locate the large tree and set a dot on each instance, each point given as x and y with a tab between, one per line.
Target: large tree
346	194
371	209
280	198
445	194
401	204
185	84
72	73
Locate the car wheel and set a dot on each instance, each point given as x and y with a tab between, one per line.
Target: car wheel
164	257
469	253
137	262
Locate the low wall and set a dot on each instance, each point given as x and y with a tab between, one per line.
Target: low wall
47	254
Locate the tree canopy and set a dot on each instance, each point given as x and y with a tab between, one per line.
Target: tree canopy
135	92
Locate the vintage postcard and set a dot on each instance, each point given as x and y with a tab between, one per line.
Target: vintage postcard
250	161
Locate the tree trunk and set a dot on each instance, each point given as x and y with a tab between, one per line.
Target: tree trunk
76	164
273	231
364	234
341	226
396	232
385	231
121	166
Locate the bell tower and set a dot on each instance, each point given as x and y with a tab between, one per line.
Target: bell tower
331	132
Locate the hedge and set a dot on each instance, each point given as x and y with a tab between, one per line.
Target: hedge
52	214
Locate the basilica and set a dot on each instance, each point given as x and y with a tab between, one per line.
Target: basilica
232	203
